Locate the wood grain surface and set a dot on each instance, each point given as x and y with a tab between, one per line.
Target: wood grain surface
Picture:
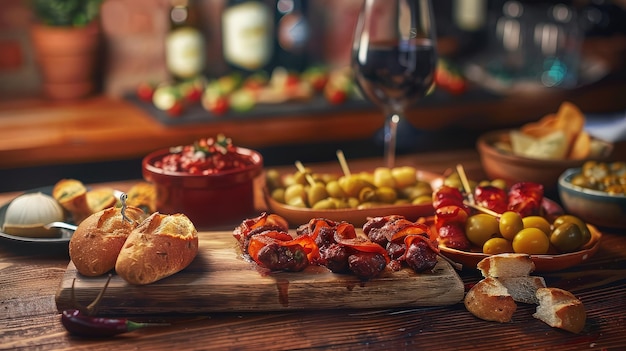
221	280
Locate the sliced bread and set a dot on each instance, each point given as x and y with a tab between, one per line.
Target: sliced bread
560	309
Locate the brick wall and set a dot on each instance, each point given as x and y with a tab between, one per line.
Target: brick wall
133	35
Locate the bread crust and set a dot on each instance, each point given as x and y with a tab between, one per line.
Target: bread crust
506	265
98	239
489	300
560	309
160	246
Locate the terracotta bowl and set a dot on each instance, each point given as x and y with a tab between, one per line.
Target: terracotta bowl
501	164
208	200
298	215
593	206
543	263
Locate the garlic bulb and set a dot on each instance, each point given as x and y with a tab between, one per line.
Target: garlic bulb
27	214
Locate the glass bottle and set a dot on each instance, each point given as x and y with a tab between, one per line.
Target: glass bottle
185	45
248	35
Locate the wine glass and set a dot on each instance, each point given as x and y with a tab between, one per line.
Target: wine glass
394	58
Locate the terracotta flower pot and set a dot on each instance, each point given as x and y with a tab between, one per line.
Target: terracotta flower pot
67	59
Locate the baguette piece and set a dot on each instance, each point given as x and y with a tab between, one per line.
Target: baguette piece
560	309
101	198
143	195
490	300
523	289
160	246
99	238
72	195
506	265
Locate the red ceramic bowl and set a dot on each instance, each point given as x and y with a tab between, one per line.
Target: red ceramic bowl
208	200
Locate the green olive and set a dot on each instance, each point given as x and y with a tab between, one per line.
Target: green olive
383	177
567	237
421	200
481	227
340	202
496	246
404	176
334	190
584	230
279	195
316	193
353	202
273	179
325	204
532	241
510	224
295	194
366	194
417	190
537	222
352	185
386	194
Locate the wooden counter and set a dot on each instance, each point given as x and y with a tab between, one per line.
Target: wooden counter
37	132
30	277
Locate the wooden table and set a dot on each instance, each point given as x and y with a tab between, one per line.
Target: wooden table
30	277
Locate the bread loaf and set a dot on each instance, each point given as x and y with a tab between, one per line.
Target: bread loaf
560	309
506	265
490	300
98	239
159	247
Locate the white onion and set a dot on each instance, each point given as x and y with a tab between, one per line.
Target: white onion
33	209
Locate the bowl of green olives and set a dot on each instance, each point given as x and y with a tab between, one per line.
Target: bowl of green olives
596	192
298	197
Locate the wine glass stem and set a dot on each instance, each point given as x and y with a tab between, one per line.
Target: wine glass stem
391	134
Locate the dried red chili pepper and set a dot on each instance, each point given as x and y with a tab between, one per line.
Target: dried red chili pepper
81	322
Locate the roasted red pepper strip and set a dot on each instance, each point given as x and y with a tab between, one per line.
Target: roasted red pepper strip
413	229
363	245
260	241
409	239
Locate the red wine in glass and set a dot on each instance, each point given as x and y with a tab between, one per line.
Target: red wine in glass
394	58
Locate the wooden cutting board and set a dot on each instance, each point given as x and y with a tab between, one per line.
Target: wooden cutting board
221	280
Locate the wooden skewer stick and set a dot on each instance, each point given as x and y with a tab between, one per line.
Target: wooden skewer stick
302	170
482	209
343	163
465	182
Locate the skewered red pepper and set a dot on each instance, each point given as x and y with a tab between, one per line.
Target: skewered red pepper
491	197
526	198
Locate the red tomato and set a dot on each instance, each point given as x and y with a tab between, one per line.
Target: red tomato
336	97
219	106
145	91
176	110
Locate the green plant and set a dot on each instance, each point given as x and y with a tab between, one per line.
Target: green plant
66	13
